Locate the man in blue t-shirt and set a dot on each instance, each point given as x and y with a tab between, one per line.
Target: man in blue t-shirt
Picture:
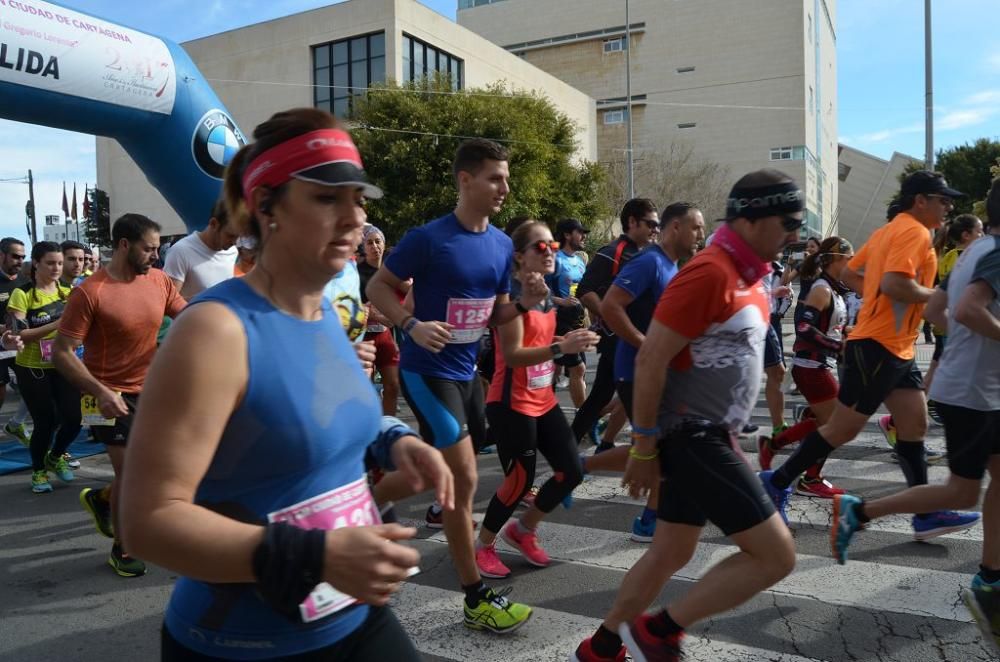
460	266
570	267
628	308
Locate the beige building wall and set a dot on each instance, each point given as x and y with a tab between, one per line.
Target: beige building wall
867	186
732	79
276	58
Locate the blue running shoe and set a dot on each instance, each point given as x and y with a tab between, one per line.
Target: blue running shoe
778	497
979	582
941	522
844	525
595	434
643	529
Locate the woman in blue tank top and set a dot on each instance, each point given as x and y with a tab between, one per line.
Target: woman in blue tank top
249	448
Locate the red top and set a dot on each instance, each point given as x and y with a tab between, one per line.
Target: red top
527	390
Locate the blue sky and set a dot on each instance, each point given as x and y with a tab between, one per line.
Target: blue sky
880	62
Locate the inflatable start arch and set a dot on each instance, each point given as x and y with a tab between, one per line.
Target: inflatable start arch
68	70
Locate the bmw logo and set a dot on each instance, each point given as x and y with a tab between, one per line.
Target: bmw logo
216	141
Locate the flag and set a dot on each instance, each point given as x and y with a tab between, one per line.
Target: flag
65	206
86	203
72	208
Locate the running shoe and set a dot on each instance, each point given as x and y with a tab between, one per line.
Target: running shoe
932	412
643	529
775	431
778	497
941	522
934	457
528	500
489	563
59	467
19	432
888	430
749	428
562	382
585	653
496	613
71	461
125	565
595	434
979	582
434	517
844	525
99	509
765	452
984	604
40	482
525	542
819	488
644	646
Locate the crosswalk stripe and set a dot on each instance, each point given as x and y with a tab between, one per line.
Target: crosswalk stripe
433	619
880	586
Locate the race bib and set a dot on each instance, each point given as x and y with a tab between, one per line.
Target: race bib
572	289
91	413
350	505
469	318
46	347
540	376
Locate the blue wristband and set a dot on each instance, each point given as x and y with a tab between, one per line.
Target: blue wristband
646	432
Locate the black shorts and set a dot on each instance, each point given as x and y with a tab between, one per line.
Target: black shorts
486	358
624	391
706	478
117	434
773	352
971	436
938	346
447	410
6	366
871	373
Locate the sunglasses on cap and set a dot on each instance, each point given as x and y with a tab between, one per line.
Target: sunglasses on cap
540	246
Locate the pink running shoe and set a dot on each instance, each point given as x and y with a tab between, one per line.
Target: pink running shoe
489	563
644	646
819	488
526	543
585	653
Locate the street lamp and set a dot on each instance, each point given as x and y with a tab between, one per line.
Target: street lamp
628	102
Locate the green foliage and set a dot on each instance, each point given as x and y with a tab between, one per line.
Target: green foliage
392	127
97	227
970	168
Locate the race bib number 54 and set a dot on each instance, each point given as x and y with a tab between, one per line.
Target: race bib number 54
91	414
350	505
469	318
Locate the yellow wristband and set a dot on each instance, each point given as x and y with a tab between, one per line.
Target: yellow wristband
632	453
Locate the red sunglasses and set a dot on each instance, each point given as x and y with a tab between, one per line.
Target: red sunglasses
540	246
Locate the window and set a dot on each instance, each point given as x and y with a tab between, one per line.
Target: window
614	117
469	4
781	153
342	69
614	45
843	170
687	125
421	59
685	70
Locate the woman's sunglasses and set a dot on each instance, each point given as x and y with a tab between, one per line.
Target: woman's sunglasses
540	246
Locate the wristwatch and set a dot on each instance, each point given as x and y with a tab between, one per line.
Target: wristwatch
520	307
556	352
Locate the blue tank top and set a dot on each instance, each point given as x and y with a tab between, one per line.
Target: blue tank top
301	431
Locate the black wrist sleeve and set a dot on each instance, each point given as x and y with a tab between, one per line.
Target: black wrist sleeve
288	565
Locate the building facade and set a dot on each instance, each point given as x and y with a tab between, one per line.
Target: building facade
745	85
867	186
319	58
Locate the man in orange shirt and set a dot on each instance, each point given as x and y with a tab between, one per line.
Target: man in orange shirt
116	314
897	265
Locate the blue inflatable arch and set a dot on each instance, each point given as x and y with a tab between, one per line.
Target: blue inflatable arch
68	70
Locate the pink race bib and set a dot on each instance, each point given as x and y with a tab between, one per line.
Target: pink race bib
46	347
350	505
469	317
540	376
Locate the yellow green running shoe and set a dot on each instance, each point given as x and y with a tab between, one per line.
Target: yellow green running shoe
496	613
99	509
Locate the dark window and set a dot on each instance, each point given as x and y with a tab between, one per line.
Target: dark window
345	68
421	59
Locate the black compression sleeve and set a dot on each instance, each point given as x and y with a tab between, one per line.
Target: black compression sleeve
807	329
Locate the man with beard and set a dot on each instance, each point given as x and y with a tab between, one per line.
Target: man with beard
570	268
116	313
11	259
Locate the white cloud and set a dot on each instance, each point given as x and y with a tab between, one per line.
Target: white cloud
960	119
994	61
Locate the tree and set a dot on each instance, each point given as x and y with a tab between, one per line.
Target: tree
408	140
97	226
665	174
979	209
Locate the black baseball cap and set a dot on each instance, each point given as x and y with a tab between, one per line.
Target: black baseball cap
568	225
925	182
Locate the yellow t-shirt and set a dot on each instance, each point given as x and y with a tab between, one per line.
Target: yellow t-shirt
40	308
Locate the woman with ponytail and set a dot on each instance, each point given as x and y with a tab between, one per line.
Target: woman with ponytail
819	341
246	465
54	404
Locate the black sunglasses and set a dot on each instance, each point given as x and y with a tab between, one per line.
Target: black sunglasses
791	224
